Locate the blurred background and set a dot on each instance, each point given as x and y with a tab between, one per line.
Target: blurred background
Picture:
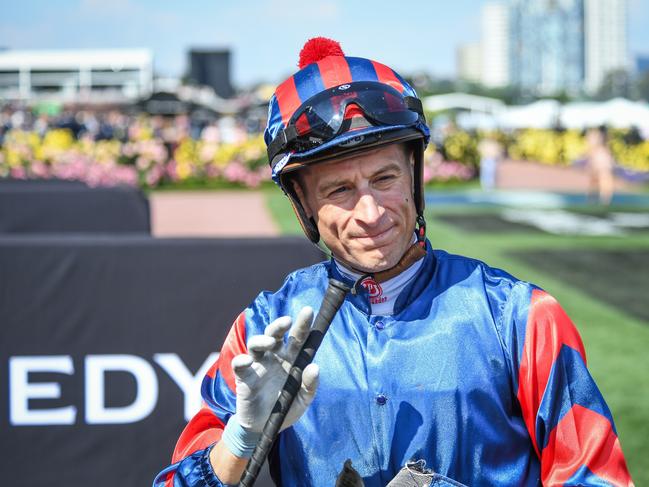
137	216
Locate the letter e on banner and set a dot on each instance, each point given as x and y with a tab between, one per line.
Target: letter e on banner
21	390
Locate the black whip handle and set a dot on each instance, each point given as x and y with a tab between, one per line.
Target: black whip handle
333	299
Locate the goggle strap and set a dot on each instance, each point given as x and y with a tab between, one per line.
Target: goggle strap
414	104
283	139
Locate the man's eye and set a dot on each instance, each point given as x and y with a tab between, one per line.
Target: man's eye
337	191
385	178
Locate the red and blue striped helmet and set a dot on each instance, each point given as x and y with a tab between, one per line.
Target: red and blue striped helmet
379	106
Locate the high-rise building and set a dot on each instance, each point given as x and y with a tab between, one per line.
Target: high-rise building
547	45
469	62
495	44
605	40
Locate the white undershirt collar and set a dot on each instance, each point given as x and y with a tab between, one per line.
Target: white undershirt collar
383	296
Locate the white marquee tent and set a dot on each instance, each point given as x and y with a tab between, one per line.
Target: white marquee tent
486	113
619	113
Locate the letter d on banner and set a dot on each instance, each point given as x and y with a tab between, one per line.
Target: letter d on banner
146	387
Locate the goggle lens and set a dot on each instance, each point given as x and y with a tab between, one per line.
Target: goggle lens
323	115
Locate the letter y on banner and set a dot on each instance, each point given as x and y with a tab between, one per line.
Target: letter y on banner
188	383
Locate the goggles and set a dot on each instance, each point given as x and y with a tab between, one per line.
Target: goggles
326	115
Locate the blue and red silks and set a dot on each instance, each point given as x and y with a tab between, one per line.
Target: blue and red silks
479	374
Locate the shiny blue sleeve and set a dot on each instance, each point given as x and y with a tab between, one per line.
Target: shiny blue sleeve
192	471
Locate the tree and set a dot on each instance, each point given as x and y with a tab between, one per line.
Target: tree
641	86
615	83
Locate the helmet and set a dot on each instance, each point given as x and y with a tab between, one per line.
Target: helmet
335	106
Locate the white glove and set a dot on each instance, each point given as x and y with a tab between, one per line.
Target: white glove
260	376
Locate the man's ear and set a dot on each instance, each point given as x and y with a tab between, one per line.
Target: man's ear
299	193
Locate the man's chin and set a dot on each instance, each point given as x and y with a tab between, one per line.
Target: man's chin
373	264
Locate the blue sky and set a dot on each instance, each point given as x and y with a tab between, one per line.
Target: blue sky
265	36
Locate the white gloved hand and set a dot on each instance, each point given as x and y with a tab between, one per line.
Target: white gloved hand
260	376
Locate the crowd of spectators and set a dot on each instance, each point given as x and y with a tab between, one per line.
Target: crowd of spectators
123	125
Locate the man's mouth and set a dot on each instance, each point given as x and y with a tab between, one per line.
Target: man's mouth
377	239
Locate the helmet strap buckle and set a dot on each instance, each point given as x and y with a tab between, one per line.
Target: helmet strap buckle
421	231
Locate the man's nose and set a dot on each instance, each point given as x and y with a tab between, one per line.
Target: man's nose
368	210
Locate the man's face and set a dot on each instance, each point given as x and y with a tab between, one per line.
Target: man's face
363	206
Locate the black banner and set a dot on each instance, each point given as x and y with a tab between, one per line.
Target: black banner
55	206
103	343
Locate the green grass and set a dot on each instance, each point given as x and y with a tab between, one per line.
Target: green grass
453	185
617	343
281	211
206	185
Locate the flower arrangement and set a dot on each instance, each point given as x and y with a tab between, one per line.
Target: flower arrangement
143	160
547	146
147	161
436	169
630	156
567	147
462	147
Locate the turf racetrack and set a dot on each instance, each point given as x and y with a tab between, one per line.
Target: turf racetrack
617	278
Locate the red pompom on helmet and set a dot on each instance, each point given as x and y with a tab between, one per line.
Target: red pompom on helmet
317	49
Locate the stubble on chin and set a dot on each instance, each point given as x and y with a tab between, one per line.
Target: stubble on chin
372	262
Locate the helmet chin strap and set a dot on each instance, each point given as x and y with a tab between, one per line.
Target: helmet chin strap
414	253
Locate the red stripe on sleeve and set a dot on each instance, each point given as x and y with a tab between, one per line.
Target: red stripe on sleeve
169	480
235	344
204	429
387	76
287	99
548	329
334	71
583	437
